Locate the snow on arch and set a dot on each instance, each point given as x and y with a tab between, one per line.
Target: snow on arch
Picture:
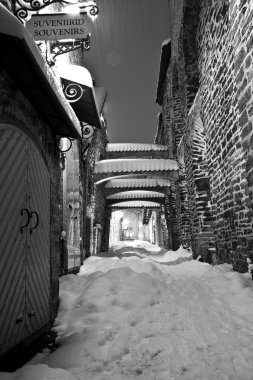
136	194
136	204
135	165
166	42
134	147
137	182
75	73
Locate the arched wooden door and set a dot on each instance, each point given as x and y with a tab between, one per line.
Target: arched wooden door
24	238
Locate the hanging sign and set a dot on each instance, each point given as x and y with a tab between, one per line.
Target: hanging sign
60	26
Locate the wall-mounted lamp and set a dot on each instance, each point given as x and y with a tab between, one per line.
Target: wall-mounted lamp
23	8
64	144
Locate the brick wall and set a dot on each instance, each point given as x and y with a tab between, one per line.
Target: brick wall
198	183
224	54
167	116
212	52
172	127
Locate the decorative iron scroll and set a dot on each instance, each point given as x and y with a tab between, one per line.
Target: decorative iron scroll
87	130
23	7
73	92
58	48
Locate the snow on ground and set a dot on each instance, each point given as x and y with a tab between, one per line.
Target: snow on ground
151	251
134	318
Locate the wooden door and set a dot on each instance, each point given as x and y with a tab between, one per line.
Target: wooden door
13	183
24	238
38	242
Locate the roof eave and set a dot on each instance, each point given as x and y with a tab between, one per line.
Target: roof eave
19	61
24	64
86	110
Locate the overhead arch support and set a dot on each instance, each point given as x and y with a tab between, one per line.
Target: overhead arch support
137	150
119	185
113	191
155	168
103	177
111	202
137	195
136	204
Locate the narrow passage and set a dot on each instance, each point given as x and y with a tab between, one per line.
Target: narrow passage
141	312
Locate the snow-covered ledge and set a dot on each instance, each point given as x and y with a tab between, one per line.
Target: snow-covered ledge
135	165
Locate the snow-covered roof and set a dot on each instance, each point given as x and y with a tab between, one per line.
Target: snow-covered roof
83	100
46	80
75	73
129	147
137	182
165	42
135	165
136	204
136	194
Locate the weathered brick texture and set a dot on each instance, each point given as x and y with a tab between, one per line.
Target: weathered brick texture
225	84
211	72
198	183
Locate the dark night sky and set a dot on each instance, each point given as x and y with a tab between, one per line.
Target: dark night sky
124	58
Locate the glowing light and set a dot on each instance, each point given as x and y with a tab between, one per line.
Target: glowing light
118	214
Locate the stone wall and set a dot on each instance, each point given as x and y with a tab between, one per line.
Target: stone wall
170	132
94	196
225	51
212	52
198	183
72	208
164	232
168	211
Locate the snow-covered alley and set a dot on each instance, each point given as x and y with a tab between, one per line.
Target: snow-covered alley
145	313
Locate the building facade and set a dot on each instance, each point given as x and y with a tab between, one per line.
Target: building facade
46	164
33	115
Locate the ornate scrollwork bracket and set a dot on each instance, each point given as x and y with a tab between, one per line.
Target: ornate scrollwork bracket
23	8
73	92
60	47
87	133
